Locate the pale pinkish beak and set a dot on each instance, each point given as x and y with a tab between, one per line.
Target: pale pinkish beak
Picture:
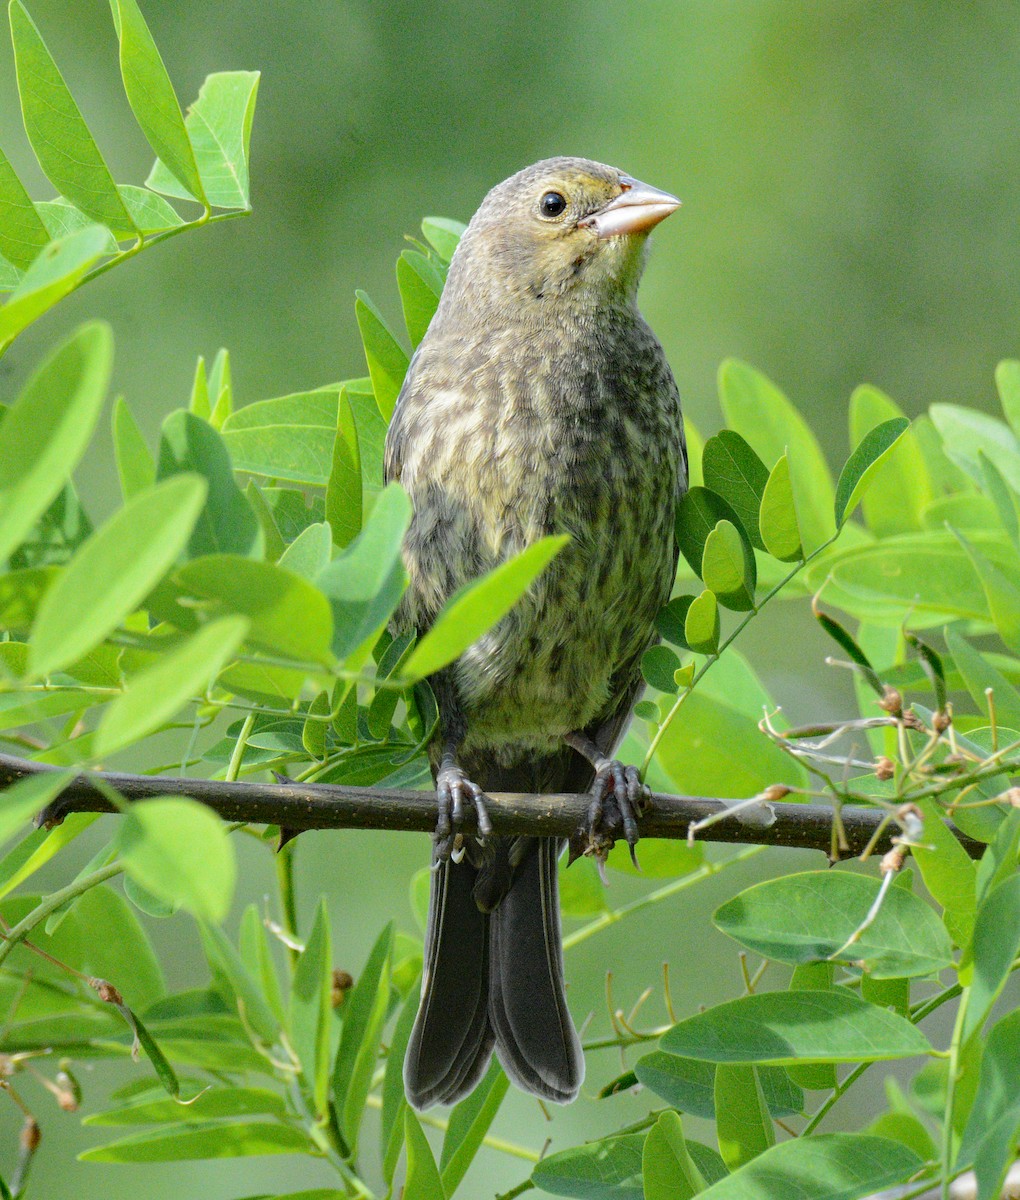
636	210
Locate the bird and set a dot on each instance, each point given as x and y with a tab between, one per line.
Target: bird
538	402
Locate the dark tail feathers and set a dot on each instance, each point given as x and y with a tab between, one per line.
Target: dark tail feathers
494	979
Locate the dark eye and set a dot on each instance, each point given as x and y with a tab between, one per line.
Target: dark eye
552	204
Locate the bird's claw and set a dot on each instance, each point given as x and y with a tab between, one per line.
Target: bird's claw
452	788
618	798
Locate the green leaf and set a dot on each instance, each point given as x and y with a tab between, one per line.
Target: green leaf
686	753
1007	380
989	1139
289	616
902	485
468	1124
701	626
1002	594
443	235
949	873
113	571
218	125
227	524
205	1106
689	1085
812	916
22	233
69	157
311	1009
46	431
1006	500
58	270
391	1137
157	694
780	529
421	283
607	1169
343	489
671	619
967	433
684	1083
728	567
179	851
310	552
667	1169
29	796
152	98
387	361
927	575
364	583
743	1125
828	1166
364	1016
842	636
135	464
116	947
153	1052
732	470
659	666
236	986
989	958
474	609
289	437
756	408
697	513
861	467
784	1027
253	945
384	702
151	213
423	1181
220	1139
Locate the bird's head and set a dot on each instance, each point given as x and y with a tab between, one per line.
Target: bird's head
563	227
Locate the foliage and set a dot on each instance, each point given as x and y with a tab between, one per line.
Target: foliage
244	588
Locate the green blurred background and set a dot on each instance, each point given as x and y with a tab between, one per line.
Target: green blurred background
851	187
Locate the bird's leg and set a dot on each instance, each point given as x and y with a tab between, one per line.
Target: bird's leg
597	835
452	786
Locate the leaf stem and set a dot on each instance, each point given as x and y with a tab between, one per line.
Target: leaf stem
78	887
668	720
706	871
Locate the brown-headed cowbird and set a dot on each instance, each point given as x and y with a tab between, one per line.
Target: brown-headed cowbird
538	402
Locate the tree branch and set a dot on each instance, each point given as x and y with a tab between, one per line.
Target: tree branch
300	806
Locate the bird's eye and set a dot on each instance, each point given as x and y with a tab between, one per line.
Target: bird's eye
552	204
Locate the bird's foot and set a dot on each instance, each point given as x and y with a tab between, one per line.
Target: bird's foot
617	799
452	789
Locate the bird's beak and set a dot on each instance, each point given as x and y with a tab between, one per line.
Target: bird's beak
636	210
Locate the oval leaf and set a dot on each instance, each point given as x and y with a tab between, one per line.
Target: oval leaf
778	523
812	916
783	1028
829	1166
157	694
476	608
113	571
732	469
728	567
179	850
46	431
701	627
862	465
152	98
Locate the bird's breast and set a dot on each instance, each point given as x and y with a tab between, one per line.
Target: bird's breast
494	462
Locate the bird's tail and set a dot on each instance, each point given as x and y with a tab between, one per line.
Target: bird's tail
452	1038
494	978
535	1037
